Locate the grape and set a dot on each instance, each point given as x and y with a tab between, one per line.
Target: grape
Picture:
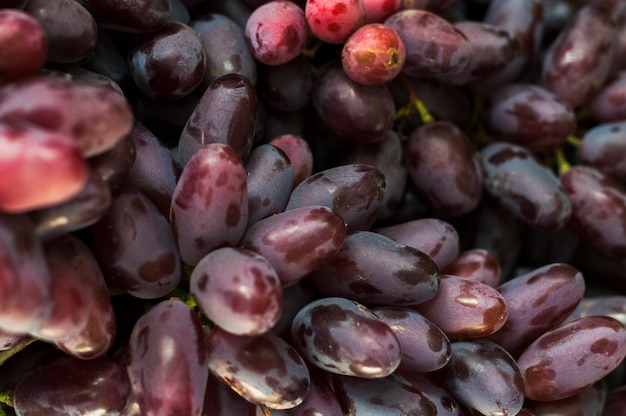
168	360
96	117
286	87
598	204
437	238
238	290
167	63
360	113
319	401
609	103
209	205
373	269
221	400
603	147
380	397
374	54
276	32
434	48
225	114
464	309
226	49
482	366
108	60
40	168
476	264
595	344
333	21
431	149
299	153
70	29
114	165
297	241
376	11
587	402
270	177
530	191
528	115
135	16
579	60
445	403
23	45
424	346
537	301
70	386
263	369
344	337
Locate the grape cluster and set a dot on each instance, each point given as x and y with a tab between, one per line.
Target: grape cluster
312	207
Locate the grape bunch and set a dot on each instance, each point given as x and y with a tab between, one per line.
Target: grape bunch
312	207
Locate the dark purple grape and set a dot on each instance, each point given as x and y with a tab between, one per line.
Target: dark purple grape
168	360
40	168
527	189
380	397
221	400
444	168
587	402
333	21
83	75
609	103
70	29
226	48
528	115
579	60
225	114
344	337
484	377
604	147
437	238
276	32
537	301
238	290
321	400
297	241
299	153
70	386
571	357
263	369
135	247
359	113
96	117
434	47
270	177
355	192
476	264
464	309
286	87
445	403
135	16
114	165
424	346
23	45
375	270
210	202
107	59
598	209
168	63
26	297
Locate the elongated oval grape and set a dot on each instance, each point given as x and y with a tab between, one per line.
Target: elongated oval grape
135	17
485	367
355	192
96	117
443	166
238	290
297	241
135	247
433	46
598	208
98	386
465	309
528	115
168	360
425	347
263	369
344	337
476	264
571	357
380	397
537	301
530	191
604	147
40	168
375	270
23	45
210	202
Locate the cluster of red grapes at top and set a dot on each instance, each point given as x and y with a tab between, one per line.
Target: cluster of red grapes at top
320	207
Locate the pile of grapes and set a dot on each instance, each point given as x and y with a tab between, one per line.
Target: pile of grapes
312	207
